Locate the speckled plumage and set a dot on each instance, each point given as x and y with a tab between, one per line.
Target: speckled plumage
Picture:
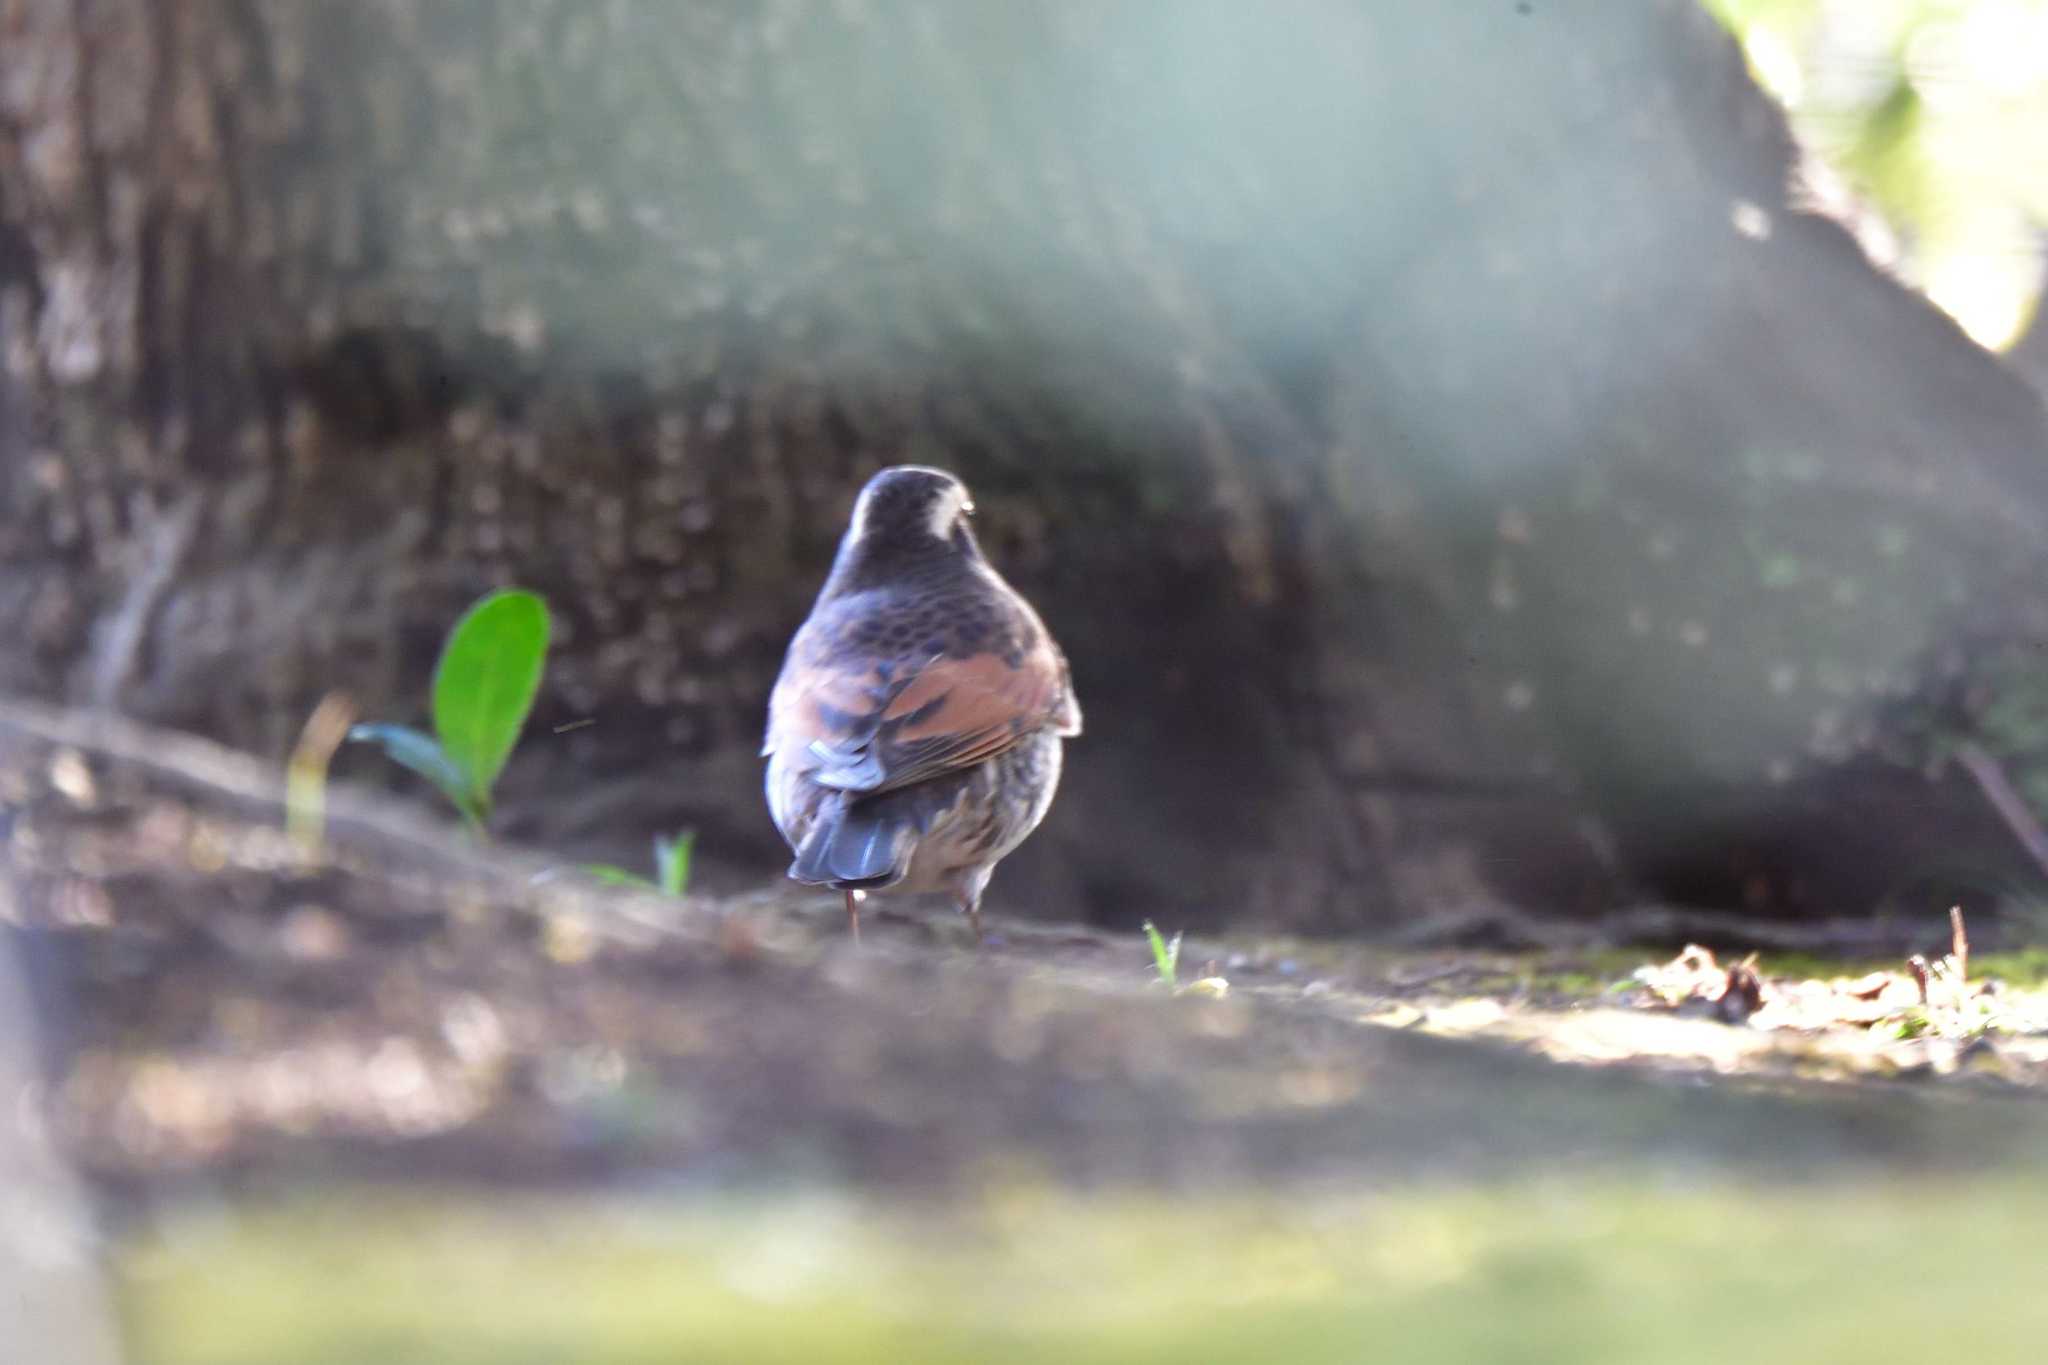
914	736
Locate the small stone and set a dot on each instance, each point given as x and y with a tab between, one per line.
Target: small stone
569	940
72	777
312	933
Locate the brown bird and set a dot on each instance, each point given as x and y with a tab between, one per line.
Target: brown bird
914	735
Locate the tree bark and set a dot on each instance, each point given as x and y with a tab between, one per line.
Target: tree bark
1456	474
51	1295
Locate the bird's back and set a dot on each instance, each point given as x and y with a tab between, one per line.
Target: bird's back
914	731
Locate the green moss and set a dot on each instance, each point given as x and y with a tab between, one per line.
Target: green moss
1812	966
2025	968
1567	1270
1560	977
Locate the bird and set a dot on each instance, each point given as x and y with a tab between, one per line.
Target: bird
915	732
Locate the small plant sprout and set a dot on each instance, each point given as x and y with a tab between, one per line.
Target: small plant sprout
305	784
672	861
671	867
484	686
1166	963
1165	956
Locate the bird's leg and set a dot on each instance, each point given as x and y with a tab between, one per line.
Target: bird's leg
972	905
853	912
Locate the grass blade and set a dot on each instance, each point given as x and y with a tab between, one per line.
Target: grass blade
610	874
672	861
1165	956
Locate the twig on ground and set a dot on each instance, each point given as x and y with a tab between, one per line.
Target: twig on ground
1429	976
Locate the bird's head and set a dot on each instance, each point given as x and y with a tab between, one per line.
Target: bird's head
907	504
910	518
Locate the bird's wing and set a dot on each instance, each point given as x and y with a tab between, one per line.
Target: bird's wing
870	727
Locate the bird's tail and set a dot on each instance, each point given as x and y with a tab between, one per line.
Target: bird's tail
855	844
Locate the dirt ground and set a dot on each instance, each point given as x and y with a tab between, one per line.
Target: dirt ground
226	1010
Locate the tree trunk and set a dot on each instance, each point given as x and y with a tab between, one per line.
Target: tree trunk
1454	472
51	1295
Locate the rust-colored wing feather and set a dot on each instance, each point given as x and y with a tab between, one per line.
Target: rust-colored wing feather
863	726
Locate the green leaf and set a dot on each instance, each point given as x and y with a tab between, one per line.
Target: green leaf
485	684
409	748
613	875
672	861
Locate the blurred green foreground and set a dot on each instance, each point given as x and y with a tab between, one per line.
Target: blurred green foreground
1571	1271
